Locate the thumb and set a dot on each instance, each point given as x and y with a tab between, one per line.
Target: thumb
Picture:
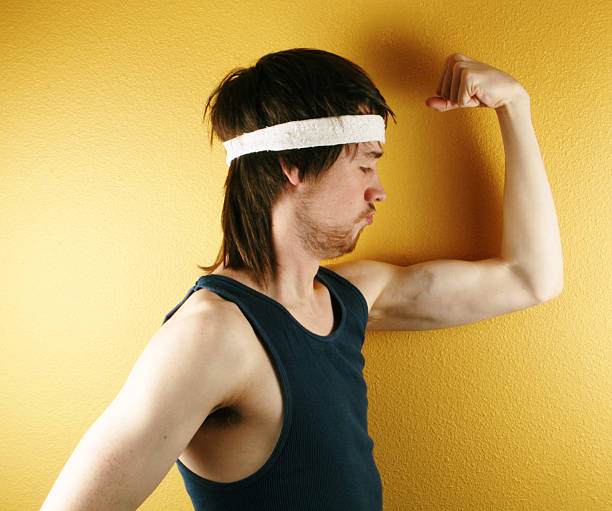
439	104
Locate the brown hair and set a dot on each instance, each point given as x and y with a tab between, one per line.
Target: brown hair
289	85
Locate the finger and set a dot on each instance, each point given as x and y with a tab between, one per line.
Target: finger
449	105
448	76
460	56
464	95
458	71
442	105
441	82
465	58
439	87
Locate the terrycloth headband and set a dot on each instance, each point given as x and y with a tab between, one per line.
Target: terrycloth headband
324	131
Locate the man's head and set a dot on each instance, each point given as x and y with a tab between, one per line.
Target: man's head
285	86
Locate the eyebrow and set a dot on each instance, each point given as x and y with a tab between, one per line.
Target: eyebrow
375	154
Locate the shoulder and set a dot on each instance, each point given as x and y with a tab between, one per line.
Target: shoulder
370	277
209	339
208	323
206	308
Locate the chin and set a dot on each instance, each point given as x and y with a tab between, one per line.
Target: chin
350	248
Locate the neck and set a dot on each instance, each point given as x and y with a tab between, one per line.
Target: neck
294	285
297	267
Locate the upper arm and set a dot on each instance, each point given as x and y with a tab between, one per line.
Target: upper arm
178	380
437	294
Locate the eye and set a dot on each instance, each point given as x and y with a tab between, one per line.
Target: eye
365	169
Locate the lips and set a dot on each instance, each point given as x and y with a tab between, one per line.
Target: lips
369	217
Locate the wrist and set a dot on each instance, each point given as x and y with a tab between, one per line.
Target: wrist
519	105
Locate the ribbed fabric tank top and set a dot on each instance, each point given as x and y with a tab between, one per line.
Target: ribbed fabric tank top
323	459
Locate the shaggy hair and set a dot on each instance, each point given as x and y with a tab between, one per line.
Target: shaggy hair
289	85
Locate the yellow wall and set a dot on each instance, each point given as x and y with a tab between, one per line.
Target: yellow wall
110	196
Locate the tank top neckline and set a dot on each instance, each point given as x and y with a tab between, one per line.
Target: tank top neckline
319	275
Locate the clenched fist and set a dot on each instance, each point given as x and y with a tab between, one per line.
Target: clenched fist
466	82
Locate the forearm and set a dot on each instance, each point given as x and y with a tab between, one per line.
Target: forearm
531	236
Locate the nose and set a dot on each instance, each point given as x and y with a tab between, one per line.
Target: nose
375	191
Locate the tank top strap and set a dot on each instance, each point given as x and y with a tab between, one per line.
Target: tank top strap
347	299
350	294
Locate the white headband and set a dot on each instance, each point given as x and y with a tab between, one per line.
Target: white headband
324	131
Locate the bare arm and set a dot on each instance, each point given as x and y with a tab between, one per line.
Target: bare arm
179	379
529	270
531	238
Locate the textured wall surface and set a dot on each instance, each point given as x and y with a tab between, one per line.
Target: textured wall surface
110	195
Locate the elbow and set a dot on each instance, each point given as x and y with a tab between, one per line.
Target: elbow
549	291
541	289
546	283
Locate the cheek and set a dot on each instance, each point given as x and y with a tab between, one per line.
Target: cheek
337	202
343	211
342	199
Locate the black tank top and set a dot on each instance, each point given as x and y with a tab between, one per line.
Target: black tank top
323	459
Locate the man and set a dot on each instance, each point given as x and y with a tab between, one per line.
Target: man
253	385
